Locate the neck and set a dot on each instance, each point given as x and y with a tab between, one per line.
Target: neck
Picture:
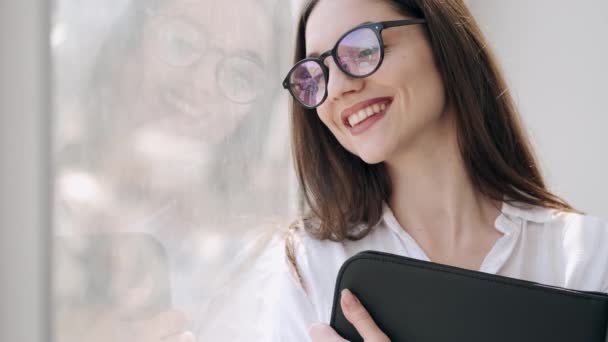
433	197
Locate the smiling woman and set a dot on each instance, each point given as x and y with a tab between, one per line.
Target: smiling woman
168	142
406	140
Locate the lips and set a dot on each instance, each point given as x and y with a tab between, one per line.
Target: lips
182	105
361	105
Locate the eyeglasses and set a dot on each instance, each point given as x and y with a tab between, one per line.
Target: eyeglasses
179	44
358	53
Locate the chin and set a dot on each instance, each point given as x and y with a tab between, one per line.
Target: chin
371	158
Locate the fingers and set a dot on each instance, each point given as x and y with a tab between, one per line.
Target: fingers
324	333
358	316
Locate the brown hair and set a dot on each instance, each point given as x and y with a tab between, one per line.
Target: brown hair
343	191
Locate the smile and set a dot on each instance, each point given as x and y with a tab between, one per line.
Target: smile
365	113
181	105
355	115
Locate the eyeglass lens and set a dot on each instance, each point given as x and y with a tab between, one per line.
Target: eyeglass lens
358	54
308	83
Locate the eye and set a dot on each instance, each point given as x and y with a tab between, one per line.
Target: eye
365	53
368	54
241	78
178	43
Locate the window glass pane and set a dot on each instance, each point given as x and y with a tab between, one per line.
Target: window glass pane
172	158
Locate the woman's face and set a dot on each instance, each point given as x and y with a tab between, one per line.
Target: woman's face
204	64
408	82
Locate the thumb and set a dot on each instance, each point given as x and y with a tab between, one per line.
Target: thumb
358	316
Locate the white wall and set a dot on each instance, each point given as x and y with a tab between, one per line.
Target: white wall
555	55
24	171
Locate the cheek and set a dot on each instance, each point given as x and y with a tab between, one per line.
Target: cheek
325	117
323	112
417	79
156	76
328	122
430	92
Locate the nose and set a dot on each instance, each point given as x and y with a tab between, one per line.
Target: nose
201	75
340	84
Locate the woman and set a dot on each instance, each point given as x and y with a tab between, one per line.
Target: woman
173	144
406	140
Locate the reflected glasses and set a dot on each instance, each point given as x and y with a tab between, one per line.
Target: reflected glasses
358	53
240	76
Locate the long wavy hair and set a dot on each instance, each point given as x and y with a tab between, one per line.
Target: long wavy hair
342	192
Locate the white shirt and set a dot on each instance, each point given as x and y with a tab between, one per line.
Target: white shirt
538	244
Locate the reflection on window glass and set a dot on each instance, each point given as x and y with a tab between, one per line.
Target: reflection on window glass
172	155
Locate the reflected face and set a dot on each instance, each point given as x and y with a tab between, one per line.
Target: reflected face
204	65
387	113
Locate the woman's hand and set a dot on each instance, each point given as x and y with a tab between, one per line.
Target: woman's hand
357	315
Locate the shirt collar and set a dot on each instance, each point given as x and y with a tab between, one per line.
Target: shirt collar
389	218
527	212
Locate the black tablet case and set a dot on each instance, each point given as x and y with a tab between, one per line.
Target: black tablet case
419	301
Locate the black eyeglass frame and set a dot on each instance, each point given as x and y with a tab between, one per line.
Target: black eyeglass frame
377	27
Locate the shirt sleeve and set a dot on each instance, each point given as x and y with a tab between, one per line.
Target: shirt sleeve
294	311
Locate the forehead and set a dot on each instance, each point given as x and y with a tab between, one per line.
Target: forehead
233	25
332	18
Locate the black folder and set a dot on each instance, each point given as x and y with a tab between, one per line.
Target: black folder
419	301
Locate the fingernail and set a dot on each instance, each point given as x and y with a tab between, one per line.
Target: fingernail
349	298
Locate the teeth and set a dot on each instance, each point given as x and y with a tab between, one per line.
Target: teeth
364	113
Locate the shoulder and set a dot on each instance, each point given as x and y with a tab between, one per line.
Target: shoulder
575	242
314	263
310	267
566	224
577	221
585	230
585	233
304	253
584	247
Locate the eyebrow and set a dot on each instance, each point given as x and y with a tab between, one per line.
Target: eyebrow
316	54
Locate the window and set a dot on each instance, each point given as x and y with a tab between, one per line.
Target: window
171	154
